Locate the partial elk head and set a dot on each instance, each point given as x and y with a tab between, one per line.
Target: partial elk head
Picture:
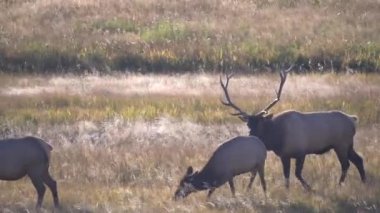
186	185
255	122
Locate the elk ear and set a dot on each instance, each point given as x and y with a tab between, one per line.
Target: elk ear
243	118
189	170
270	116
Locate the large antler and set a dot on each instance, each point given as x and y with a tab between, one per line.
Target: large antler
242	115
283	75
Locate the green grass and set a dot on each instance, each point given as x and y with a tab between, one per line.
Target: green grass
66	109
357	94
166	32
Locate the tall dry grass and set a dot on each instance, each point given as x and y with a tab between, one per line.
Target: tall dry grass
162	36
118	164
135	166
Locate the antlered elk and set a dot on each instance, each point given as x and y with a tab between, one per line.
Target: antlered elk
28	156
234	157
293	134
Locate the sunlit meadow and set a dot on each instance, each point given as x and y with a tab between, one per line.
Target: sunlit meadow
122	142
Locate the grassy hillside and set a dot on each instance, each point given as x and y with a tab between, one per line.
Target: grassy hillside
165	36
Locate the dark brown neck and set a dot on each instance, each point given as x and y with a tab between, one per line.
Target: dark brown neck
271	136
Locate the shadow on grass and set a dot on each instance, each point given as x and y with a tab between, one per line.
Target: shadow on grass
291	208
336	204
30	208
15	208
247	204
348	206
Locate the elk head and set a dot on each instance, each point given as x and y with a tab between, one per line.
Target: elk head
186	185
255	122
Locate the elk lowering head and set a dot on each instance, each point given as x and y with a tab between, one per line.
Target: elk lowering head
236	156
254	122
186	184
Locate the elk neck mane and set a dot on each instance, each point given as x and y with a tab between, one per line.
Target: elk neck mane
271	135
202	180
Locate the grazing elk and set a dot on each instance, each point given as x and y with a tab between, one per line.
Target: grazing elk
293	134
234	157
28	156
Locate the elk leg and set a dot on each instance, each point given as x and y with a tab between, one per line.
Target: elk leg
232	187
52	184
263	183
286	169
253	175
210	192
299	167
358	162
40	187
343	159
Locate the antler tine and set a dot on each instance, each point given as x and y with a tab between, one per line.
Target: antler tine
283	75
242	115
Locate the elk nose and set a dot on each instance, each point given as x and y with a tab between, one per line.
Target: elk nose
176	197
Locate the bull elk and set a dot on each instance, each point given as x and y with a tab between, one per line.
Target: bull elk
293	134
28	156
236	156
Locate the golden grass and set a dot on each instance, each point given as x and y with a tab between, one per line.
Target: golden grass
63	99
136	167
188	35
116	164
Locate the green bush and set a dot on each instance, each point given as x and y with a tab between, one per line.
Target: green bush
165	31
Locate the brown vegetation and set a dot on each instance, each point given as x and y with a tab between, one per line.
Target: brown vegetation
125	163
164	36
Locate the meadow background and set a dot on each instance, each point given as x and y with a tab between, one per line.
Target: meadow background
128	94
180	36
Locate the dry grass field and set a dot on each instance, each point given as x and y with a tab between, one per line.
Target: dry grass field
183	35
122	142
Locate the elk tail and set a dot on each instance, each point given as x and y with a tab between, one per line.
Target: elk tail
354	118
47	148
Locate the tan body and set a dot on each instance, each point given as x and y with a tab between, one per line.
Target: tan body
234	157
314	132
28	156
293	134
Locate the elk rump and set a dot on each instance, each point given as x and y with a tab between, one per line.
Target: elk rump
28	156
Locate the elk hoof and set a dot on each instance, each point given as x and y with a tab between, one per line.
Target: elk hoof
308	188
